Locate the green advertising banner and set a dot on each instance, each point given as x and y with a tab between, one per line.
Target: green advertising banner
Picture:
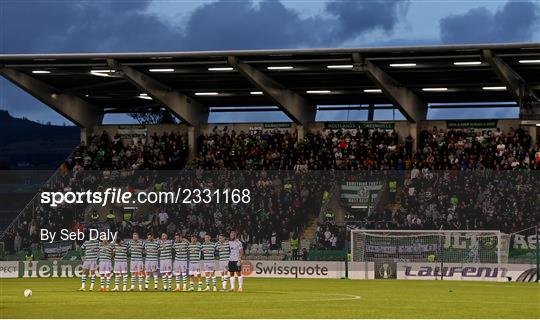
359	125
468	124
277	125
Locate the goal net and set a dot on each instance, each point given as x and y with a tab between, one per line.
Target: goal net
388	247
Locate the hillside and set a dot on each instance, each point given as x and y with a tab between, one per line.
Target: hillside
26	144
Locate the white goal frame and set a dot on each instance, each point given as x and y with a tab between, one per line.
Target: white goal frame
497	233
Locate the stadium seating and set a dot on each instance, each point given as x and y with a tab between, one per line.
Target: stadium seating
376	149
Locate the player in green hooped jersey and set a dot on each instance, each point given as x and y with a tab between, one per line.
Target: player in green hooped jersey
194	249
180	265
120	253
151	247
223	251
209	255
90	257
165	261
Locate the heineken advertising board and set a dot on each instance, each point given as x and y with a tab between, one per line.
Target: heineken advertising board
41	269
359	125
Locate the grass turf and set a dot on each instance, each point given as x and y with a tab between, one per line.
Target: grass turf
278	298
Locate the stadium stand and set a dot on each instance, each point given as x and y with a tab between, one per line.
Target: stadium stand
418	173
429	197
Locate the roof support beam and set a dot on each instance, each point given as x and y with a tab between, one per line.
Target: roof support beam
410	105
77	110
294	105
187	109
515	85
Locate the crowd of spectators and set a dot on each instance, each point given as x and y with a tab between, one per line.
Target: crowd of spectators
329	150
156	152
431	195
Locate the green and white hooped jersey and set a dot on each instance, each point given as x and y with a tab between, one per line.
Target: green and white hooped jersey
165	249
224	250
209	251
120	253
181	251
136	250
91	250
105	252
194	252
151	249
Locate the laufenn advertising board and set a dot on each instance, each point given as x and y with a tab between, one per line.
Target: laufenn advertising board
462	271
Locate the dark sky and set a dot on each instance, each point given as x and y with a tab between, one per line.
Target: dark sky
29	26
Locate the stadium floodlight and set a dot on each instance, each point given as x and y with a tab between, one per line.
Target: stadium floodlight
144	96
467	63
102	72
161	70
372	90
256	93
206	93
497	88
41	71
529	61
434	89
280	68
318	91
220	69
340	66
401	65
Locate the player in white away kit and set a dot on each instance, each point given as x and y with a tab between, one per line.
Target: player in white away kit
194	249
90	257
105	265
224	251
165	261
151	247
136	266
120	265
209	256
237	251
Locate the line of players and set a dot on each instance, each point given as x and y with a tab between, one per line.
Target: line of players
148	257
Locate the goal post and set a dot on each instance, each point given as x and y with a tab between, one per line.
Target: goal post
389	247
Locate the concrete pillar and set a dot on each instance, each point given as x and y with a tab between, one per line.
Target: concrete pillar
192	142
300	132
85	133
533	131
414	132
371	113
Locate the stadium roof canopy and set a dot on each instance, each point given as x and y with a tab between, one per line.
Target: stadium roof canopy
83	87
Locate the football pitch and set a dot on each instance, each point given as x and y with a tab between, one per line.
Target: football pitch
278	298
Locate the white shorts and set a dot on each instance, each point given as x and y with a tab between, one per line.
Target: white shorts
180	267
90	265
209	266
151	266
136	266
120	267
105	267
165	266
194	268
224	267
